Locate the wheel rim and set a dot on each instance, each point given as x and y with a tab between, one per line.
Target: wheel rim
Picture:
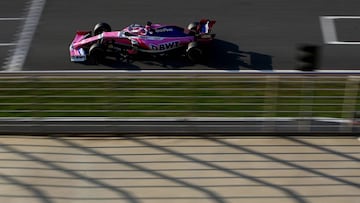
194	54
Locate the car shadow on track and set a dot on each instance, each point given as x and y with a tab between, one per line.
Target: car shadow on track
222	55
227	56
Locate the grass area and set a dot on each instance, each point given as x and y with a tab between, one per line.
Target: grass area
171	97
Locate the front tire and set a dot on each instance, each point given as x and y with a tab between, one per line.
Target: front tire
101	27
96	54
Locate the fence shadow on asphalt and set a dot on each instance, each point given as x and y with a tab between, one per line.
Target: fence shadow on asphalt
292	194
125	193
37	193
324	149
52	165
138	167
291	164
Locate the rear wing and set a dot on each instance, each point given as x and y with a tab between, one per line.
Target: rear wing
205	26
204	30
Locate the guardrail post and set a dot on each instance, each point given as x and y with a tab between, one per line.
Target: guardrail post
306	109
111	105
192	110
35	105
270	102
350	100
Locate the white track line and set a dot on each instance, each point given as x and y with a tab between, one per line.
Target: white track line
7	44
18	55
329	29
10	19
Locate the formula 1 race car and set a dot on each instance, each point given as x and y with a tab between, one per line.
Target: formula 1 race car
137	39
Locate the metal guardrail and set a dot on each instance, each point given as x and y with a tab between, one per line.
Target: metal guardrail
195	101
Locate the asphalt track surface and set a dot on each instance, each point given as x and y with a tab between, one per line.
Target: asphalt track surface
251	34
179	169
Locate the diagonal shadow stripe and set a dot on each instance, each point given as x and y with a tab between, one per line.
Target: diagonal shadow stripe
37	192
285	190
212	195
309	170
120	192
327	150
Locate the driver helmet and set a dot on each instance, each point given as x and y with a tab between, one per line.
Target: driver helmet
148	25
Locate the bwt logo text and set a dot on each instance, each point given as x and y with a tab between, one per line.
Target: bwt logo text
165	46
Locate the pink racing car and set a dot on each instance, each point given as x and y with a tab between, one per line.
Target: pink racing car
136	39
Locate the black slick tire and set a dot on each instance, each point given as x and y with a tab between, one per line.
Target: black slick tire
96	54
101	27
194	53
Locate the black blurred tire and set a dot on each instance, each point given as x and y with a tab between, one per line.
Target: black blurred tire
96	54
101	27
194	53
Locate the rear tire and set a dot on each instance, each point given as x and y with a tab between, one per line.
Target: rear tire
101	27
194	52
96	54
